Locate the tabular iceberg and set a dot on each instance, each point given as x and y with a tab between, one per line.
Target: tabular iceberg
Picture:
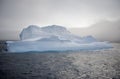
53	38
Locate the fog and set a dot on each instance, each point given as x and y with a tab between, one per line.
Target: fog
103	30
86	14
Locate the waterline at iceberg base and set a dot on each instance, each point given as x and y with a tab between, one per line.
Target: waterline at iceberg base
53	38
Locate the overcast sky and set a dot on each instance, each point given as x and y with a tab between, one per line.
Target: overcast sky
17	14
103	31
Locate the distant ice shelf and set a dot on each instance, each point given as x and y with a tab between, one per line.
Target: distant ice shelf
53	38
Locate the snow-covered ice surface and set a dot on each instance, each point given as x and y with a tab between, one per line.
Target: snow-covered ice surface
99	64
53	38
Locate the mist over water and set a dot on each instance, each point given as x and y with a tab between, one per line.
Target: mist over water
104	30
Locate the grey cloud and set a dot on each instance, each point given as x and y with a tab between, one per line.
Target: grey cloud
103	30
17	14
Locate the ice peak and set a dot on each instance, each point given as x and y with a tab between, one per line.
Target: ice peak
33	27
54	27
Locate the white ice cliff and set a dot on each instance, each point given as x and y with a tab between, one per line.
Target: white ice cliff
53	38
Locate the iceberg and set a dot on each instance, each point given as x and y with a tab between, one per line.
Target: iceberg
53	38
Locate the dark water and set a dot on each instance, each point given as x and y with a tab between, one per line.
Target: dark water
79	65
35	66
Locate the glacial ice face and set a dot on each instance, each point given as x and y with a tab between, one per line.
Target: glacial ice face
53	38
34	31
